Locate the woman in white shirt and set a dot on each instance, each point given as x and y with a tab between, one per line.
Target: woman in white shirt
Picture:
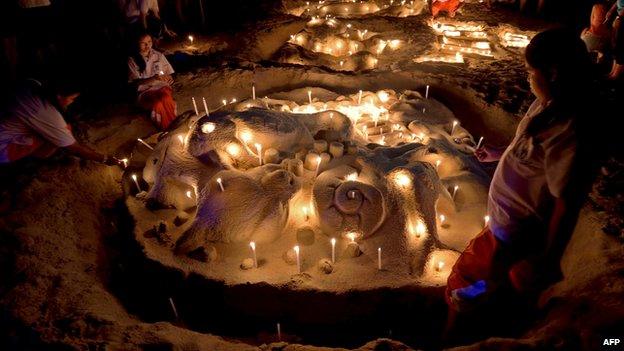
151	73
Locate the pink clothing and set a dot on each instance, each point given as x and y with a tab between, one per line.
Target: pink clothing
30	117
533	171
133	9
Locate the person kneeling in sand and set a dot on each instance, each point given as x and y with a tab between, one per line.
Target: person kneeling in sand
150	71
541	180
32	124
448	6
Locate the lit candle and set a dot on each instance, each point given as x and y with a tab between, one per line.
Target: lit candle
195	106
259	150
190	38
181	138
305	213
437	164
161	73
318	165
333	244
253	91
208	127
296	248
279	332
136	182
486	220
206	106
455	123
455	188
439	266
351	194
360	98
144	143
125	162
379	258
253	252
420	229
352	236
220	182
310	96
424	110
442	219
426	93
173	308
479	143
224	101
188	194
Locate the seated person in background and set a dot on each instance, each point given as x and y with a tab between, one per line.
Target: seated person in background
597	37
150	71
617	10
144	16
32	124
448	6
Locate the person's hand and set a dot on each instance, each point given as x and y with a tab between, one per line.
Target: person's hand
487	154
112	161
167	79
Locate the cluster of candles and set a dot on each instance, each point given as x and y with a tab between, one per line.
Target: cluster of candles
462	38
347	42
347	8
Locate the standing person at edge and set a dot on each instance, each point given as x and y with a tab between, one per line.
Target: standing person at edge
150	72
614	16
32	124
537	190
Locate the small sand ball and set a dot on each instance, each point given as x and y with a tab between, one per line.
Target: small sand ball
290	257
142	195
271	156
320	146
325	266
305	236
352	149
181	218
352	250
247	263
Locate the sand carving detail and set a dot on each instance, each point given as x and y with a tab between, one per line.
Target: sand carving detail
357	167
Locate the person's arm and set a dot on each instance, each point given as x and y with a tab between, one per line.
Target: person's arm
610	13
87	153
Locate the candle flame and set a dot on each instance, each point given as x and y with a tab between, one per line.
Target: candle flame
245	136
442	218
233	149
439	266
252	245
207	128
188	194
134	177
402	179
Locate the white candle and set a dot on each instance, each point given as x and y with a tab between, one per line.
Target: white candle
351	194
310	96
253	252
188	194
224	101
146	144
259	150
175	311
136	182
424	110
333	244
486	220
442	219
220	182
205	106
318	165
455	123
181	138
296	248
195	106
279	332
455	188
351	236
439	266
427	92
253	91
305	213
479	143
437	164
190	38
379	258
360	98
125	162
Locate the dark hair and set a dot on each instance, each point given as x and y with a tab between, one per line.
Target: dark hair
563	59
136	54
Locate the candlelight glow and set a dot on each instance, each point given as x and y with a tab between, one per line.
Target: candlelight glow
208	127
439	266
352	177
402	179
233	149
245	136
